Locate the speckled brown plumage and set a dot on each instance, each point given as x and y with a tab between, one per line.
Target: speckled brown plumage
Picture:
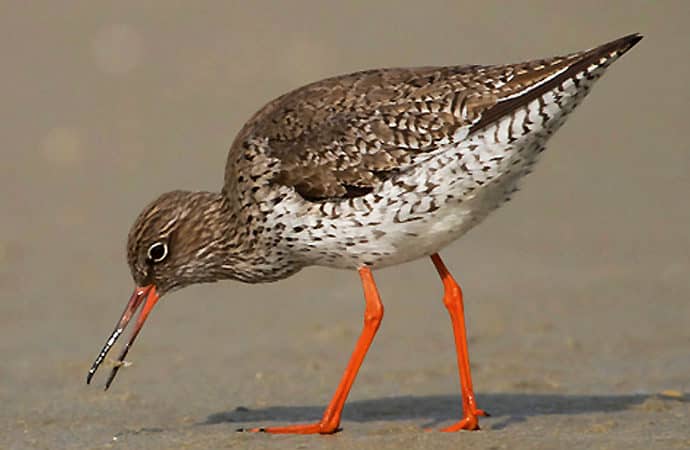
362	171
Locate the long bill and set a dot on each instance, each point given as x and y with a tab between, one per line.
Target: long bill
145	295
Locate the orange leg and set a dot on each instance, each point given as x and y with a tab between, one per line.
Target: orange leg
330	421
452	298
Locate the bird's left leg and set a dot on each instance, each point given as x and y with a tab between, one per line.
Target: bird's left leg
452	298
330	421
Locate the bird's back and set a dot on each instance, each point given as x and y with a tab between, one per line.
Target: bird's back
389	165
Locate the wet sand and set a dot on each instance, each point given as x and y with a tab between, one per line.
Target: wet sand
577	291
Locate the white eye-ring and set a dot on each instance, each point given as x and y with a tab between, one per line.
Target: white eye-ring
157	252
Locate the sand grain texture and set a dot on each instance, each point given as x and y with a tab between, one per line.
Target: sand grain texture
577	291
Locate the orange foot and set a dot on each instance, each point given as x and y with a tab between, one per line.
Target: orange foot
311	428
469	422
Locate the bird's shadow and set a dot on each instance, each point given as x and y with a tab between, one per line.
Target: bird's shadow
507	407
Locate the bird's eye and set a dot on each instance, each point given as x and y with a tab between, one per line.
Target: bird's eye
157	252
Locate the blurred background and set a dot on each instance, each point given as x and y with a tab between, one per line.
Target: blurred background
577	291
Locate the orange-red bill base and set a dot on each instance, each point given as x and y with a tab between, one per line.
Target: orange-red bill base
145	295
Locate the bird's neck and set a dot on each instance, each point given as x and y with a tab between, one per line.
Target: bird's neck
230	248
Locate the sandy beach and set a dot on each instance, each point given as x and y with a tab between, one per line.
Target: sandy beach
577	291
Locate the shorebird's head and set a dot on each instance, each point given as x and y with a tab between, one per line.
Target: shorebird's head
177	240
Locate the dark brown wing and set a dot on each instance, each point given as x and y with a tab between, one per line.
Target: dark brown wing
342	136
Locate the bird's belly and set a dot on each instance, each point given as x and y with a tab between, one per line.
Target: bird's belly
382	241
403	225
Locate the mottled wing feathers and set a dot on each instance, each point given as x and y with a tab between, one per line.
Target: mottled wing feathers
342	136
533	79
